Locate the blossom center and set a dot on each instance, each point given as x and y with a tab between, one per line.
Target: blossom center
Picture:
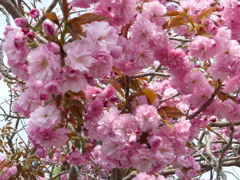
44	63
79	59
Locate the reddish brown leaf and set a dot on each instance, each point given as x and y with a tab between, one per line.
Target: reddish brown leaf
176	21
172	13
87	18
52	17
151	95
76	29
58	100
206	12
134	84
117	86
168	124
76	108
65	9
170	112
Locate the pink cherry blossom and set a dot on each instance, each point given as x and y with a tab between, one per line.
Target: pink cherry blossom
203	48
71	79
82	3
124	128
154	11
79	55
142	30
61	137
147	117
101	65
76	158
45	138
95	109
46	117
101	35
15	46
43	64
49	28
41	152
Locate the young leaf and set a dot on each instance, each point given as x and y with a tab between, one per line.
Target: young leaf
170	112
151	95
87	18
172	13
176	21
117	86
65	9
168	124
206	13
52	17
76	108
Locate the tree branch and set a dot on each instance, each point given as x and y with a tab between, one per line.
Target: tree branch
151	74
205	105
6	14
10	8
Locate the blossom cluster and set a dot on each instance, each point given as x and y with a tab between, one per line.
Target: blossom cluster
6	172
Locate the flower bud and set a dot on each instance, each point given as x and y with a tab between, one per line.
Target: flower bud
20	22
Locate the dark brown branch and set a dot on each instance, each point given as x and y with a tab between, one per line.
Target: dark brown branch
114	174
223	124
127	105
20	7
14	3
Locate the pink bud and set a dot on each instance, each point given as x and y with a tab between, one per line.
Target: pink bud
31	35
49	28
34	13
20	22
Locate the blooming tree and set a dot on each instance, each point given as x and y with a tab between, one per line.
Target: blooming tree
121	89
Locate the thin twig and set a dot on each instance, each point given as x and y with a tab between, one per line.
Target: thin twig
7	15
226	147
205	105
179	39
164	100
151	74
